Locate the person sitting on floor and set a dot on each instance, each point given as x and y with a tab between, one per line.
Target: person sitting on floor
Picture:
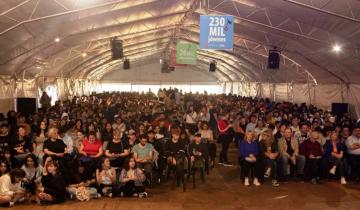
53	188
33	173
10	187
83	184
131	180
105	178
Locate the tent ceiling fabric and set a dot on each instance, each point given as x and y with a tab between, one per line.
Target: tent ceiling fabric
305	30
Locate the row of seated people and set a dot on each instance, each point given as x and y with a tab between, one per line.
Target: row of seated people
91	173
286	157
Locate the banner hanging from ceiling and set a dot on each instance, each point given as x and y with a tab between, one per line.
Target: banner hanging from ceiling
186	53
173	59
216	32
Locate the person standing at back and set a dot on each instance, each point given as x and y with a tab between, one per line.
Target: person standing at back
225	138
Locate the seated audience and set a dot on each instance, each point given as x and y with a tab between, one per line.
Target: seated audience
270	153
117	150
353	150
334	151
311	149
143	155
83	184
53	188
105	178
289	153
249	152
33	173
198	150
131	180
21	145
10	189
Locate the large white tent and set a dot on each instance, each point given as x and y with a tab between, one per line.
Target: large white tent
32	58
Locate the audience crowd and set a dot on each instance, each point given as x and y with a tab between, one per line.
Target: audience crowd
118	144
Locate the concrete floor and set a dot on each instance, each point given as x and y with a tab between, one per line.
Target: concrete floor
224	191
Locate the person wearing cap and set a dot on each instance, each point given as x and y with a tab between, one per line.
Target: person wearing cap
132	140
198	149
353	150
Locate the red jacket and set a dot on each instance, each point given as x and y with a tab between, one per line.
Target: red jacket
308	147
223	126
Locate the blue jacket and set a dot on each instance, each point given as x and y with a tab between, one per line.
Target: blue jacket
328	148
245	149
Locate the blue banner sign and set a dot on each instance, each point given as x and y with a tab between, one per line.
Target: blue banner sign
216	32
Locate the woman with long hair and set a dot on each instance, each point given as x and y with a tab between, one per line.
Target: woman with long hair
33	173
39	140
53	188
334	152
131	179
105	178
208	136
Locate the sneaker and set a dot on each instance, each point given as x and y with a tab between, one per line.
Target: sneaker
246	182
313	181
98	195
143	195
275	183
256	182
122	194
227	164
110	195
332	170
11	204
221	163
342	180
267	173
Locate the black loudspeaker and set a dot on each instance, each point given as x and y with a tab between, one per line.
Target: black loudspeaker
26	106
126	64
212	67
116	49
274	59
165	67
339	109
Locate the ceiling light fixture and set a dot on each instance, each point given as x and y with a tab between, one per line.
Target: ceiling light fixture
336	48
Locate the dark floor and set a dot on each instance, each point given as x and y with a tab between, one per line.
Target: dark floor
223	190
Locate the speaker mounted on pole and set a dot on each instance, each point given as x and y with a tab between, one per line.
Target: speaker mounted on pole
212	66
274	59
116	48
126	64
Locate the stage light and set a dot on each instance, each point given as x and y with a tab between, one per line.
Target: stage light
161	60
83	54
336	48
57	39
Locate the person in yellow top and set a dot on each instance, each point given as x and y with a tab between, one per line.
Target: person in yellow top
10	189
